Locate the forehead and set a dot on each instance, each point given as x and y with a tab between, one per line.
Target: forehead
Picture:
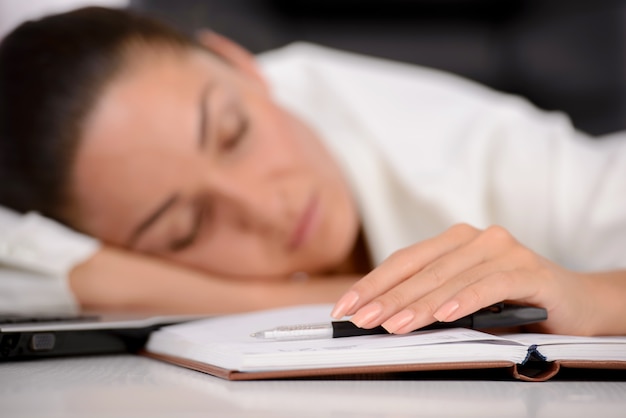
158	88
139	137
154	84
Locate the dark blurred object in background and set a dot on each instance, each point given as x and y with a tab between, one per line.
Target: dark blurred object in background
567	55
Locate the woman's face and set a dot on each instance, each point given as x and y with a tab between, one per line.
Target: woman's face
188	158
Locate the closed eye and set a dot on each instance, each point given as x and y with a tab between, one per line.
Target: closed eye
188	239
233	140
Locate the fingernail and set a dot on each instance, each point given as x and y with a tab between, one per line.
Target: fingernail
398	321
445	310
345	303
367	314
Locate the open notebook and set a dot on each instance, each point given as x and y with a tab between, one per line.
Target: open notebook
223	346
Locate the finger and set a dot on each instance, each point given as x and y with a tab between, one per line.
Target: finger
497	287
472	259
436	275
474	290
520	275
399	266
495	250
483	247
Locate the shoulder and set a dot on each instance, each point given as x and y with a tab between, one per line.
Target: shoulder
356	69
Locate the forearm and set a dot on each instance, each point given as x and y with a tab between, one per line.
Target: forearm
122	281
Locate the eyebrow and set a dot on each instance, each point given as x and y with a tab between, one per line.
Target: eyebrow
203	114
150	220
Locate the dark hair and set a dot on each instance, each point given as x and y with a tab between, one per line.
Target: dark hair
51	73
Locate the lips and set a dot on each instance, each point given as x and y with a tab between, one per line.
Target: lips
305	225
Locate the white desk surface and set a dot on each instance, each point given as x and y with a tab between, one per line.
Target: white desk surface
133	386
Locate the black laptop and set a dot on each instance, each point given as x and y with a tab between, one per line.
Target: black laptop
30	337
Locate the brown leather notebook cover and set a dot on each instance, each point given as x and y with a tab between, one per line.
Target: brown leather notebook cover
543	371
324	372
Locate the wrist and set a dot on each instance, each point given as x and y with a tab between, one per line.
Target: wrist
603	302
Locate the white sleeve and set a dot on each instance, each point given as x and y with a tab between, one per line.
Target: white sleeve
36	256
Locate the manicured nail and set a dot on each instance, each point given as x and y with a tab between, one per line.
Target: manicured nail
398	321
345	303
445	310
367	314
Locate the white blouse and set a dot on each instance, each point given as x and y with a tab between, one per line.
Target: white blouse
36	255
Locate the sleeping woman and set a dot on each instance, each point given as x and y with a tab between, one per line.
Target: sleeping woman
222	182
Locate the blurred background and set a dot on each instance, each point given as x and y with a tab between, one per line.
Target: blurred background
567	55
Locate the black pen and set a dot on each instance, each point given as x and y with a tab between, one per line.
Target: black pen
495	316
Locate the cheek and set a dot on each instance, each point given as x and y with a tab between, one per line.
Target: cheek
279	136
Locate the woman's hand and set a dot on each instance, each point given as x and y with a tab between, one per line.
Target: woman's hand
463	270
